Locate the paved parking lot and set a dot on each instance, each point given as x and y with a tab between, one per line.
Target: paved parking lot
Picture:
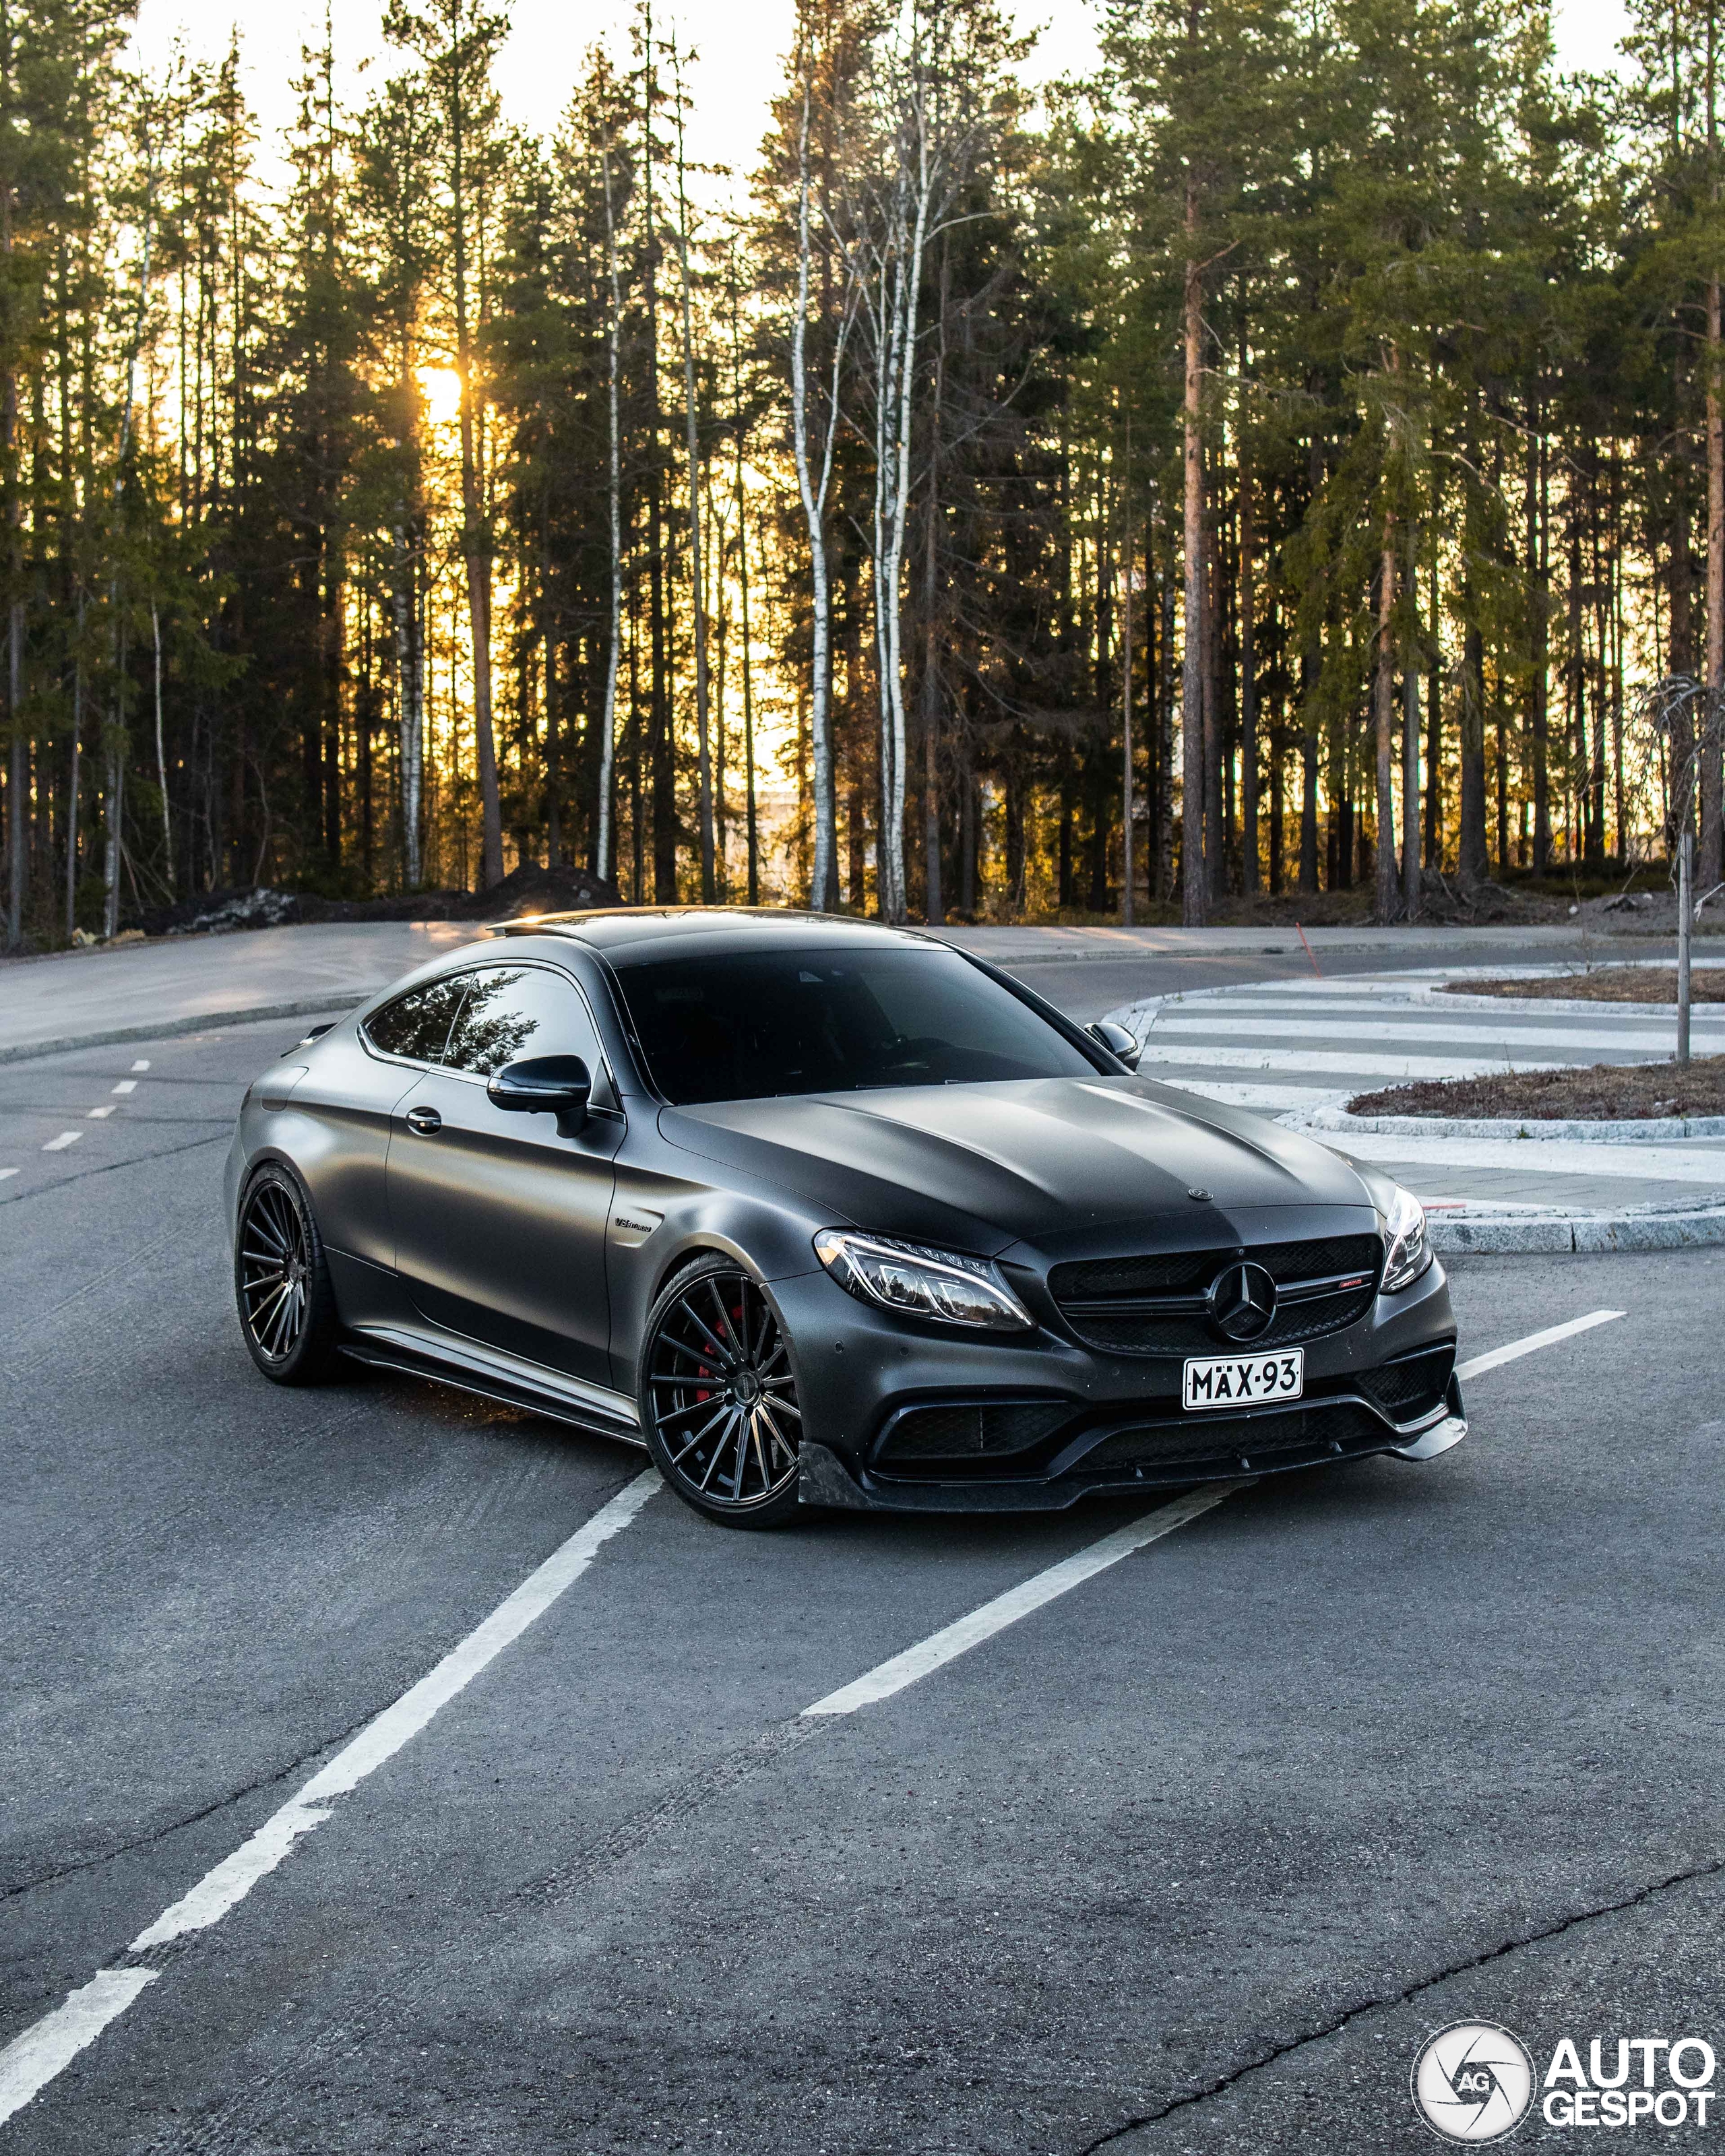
1189	1856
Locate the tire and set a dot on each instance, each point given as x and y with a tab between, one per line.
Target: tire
281	1282
718	1397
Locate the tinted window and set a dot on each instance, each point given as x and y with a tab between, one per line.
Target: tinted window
746	1025
417	1023
513	1011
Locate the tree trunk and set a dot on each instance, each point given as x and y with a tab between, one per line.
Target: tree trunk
1386	895
17	777
697	597
1248	692
934	910
1473	866
1126	709
475	525
1195	906
613	477
824	893
1711	866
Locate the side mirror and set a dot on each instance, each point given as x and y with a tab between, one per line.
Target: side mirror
557	1085
1116	1040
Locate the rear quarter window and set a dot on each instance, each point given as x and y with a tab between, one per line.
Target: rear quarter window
417	1026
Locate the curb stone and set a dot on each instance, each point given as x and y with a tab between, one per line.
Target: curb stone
1584	1232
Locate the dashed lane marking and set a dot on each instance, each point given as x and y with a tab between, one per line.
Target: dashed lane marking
96	1114
65	1139
5	1172
127	1085
31	2061
142	1064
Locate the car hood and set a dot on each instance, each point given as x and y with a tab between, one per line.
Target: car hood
1046	1162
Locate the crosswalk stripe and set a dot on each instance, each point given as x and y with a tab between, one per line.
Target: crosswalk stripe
1639	1163
1621	1038
1288	1063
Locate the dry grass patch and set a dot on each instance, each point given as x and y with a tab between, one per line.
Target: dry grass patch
1605	984
1604	1093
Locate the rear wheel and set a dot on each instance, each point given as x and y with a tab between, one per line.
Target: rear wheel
281	1282
719	1399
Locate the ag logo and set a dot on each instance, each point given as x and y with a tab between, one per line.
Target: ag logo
1472	2081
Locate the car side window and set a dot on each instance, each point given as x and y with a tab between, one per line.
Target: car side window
516	1011
417	1026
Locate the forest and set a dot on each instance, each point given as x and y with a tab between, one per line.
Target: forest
1290	460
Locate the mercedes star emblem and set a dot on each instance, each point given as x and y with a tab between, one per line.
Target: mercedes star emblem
1242	1302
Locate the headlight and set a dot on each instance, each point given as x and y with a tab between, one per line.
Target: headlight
1410	1253
923	1283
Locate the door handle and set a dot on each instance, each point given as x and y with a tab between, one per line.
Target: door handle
422	1122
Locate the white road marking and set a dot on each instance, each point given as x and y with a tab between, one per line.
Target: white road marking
1314	1062
127	1085
65	1139
5	1172
1549	1338
968	1632
143	1065
1649	1163
1230	1093
1657	1039
96	1114
32	2060
903	1670
218	1892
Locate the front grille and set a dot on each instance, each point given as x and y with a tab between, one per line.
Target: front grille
970	1430
1226	1440
1414	1385
1155	1305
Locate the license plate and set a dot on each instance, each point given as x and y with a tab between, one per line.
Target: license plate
1232	1381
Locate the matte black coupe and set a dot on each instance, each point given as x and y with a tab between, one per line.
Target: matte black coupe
822	1212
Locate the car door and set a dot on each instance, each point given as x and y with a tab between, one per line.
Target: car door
499	1219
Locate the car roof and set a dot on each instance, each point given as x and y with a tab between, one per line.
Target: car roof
632	935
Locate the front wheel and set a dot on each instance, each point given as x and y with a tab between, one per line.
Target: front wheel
281	1282
718	1397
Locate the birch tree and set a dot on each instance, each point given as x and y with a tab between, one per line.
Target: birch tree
814	439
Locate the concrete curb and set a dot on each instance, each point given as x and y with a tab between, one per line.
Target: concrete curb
1636	1230
172	1028
1650	1131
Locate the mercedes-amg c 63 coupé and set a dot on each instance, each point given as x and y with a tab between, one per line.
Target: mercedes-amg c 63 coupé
825	1212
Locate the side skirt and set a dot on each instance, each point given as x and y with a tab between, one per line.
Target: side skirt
415	1358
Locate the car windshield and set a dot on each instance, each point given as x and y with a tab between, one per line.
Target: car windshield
748	1026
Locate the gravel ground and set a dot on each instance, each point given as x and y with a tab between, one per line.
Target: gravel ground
1602	1092
1604	984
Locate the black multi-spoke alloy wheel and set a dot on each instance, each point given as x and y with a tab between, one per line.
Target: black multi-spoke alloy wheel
281	1282
719	1397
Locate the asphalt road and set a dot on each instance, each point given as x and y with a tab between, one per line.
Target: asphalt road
1189	1859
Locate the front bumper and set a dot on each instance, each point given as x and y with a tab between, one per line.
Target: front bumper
1055	1421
